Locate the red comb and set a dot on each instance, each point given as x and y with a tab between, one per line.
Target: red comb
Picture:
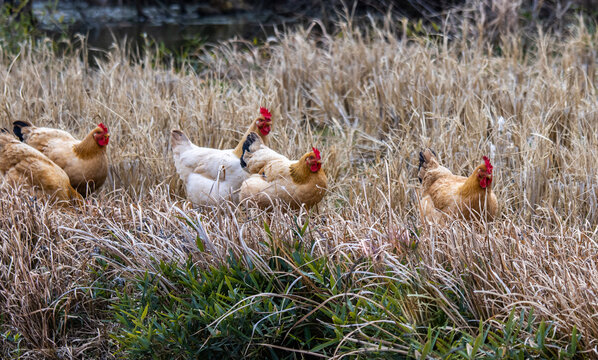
488	165
265	113
316	152
103	127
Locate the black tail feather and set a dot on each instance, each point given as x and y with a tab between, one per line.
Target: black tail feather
251	138
17	126
4	130
421	162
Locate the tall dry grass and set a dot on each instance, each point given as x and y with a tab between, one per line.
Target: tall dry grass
370	99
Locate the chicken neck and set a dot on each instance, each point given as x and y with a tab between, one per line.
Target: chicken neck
472	187
238	150
88	147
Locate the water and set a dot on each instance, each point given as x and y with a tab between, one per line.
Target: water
171	26
173	36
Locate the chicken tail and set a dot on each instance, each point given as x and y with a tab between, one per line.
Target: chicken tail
178	138
250	145
17	128
426	158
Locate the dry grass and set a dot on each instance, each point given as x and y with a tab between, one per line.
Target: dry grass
370	100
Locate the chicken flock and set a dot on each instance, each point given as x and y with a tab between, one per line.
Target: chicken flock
53	163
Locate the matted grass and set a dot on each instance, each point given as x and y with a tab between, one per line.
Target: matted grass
370	99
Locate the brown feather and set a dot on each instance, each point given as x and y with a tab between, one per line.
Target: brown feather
443	192
22	165
294	184
88	147
85	162
300	171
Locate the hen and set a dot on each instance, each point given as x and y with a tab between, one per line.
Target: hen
214	175
276	178
85	161
470	197
20	164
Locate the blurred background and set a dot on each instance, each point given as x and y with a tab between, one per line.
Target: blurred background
178	24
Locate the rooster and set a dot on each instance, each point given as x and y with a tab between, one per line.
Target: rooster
214	175
21	164
85	161
446	193
275	177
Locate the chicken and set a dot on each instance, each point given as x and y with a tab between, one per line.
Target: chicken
21	164
85	161
214	175
445	193
276	178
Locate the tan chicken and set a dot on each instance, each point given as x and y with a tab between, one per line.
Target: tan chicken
276	178
20	164
85	161
444	193
214	175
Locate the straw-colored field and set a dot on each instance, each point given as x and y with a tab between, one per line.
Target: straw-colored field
366	276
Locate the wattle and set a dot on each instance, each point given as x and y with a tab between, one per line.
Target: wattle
484	183
265	130
315	167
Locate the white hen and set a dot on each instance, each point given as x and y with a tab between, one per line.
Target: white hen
214	175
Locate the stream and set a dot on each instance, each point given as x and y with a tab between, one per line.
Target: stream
172	26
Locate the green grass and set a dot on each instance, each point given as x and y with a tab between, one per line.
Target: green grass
301	305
